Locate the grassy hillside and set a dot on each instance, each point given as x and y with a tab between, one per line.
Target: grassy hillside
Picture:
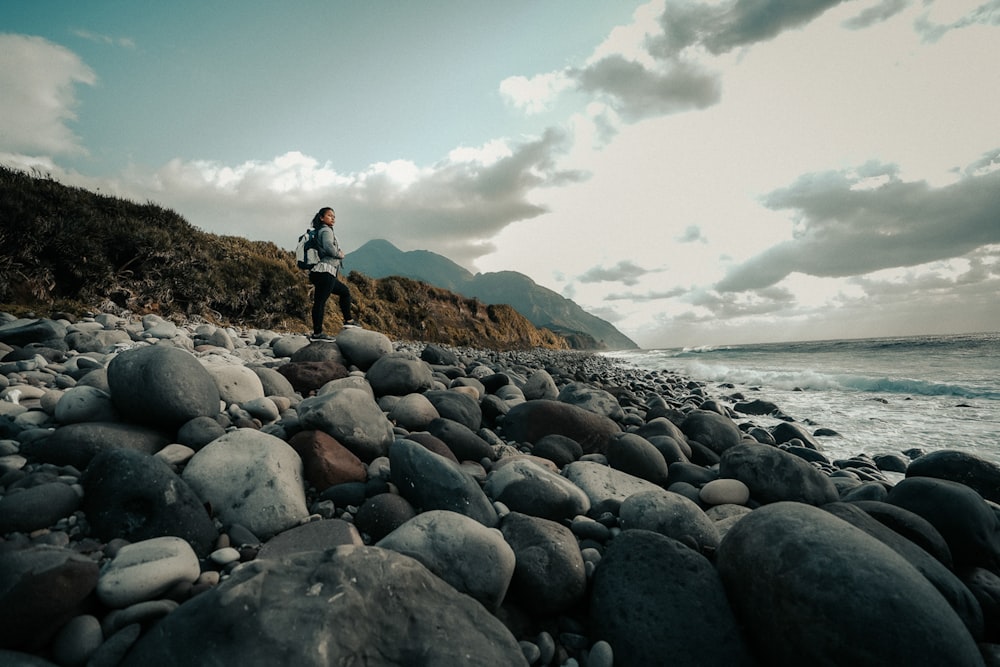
69	249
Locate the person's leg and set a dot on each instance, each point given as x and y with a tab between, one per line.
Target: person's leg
323	285
343	293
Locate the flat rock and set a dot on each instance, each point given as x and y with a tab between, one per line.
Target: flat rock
145	570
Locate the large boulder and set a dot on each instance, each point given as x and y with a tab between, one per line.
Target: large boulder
657	602
349	605
136	497
429	481
978	474
549	575
533	420
773	475
161	385
966	521
252	479
399	374
670	514
812	589
471	557
590	398
524	486
715	431
363	348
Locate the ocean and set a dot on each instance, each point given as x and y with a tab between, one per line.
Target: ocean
881	395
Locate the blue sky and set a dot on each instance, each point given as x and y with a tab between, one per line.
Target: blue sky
694	172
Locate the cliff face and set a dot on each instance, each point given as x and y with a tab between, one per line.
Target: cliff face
69	249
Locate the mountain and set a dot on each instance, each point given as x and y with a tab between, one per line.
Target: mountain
541	306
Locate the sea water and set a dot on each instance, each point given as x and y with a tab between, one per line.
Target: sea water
880	395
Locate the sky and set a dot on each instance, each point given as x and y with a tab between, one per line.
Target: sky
695	173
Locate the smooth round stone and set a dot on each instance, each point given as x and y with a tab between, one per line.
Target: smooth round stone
77	640
37	507
144	570
601	655
224	556
725	492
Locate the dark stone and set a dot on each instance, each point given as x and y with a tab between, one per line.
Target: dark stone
950	586
382	514
910	525
308	376
312	536
464	442
549	574
711	429
532	420
773	475
136	497
963	518
558	448
635	455
432	482
21	333
77	444
162	386
438	356
658	602
433	443
786	431
37	507
978	474
806	454
670	448
812	589
41	588
695	475
457	406
372	606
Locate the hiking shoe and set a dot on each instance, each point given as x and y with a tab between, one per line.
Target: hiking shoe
351	323
322	336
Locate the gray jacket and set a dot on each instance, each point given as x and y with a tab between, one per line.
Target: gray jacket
330	255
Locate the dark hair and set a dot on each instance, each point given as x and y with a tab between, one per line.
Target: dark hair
318	218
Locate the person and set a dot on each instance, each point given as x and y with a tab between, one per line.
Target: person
323	276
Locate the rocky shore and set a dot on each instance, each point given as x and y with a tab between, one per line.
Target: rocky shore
189	494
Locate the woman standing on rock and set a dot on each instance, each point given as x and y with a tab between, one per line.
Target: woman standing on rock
324	275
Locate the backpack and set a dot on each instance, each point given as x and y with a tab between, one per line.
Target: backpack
307	250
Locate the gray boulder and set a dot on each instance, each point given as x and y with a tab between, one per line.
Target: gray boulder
549	575
252	479
966	522
670	514
524	486
399	374
978	474
349	605
430	481
711	429
809	586
590	398
655	601
474	559
161	385
363	348
773	475
77	444
606	487
637	456
457	406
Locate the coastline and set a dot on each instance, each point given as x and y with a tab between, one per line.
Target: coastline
533	496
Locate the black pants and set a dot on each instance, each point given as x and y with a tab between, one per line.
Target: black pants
324	285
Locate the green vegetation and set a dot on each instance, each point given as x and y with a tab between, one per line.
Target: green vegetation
69	249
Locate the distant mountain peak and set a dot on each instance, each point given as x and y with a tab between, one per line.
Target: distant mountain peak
543	307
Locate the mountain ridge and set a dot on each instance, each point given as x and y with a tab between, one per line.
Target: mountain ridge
541	306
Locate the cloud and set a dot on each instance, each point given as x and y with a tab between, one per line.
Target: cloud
877	13
721	28
691	234
638	92
625	271
448	207
535	94
656	295
846	227
38	80
987	14
122	42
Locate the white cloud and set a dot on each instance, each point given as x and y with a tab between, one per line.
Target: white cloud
535	94
38	80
